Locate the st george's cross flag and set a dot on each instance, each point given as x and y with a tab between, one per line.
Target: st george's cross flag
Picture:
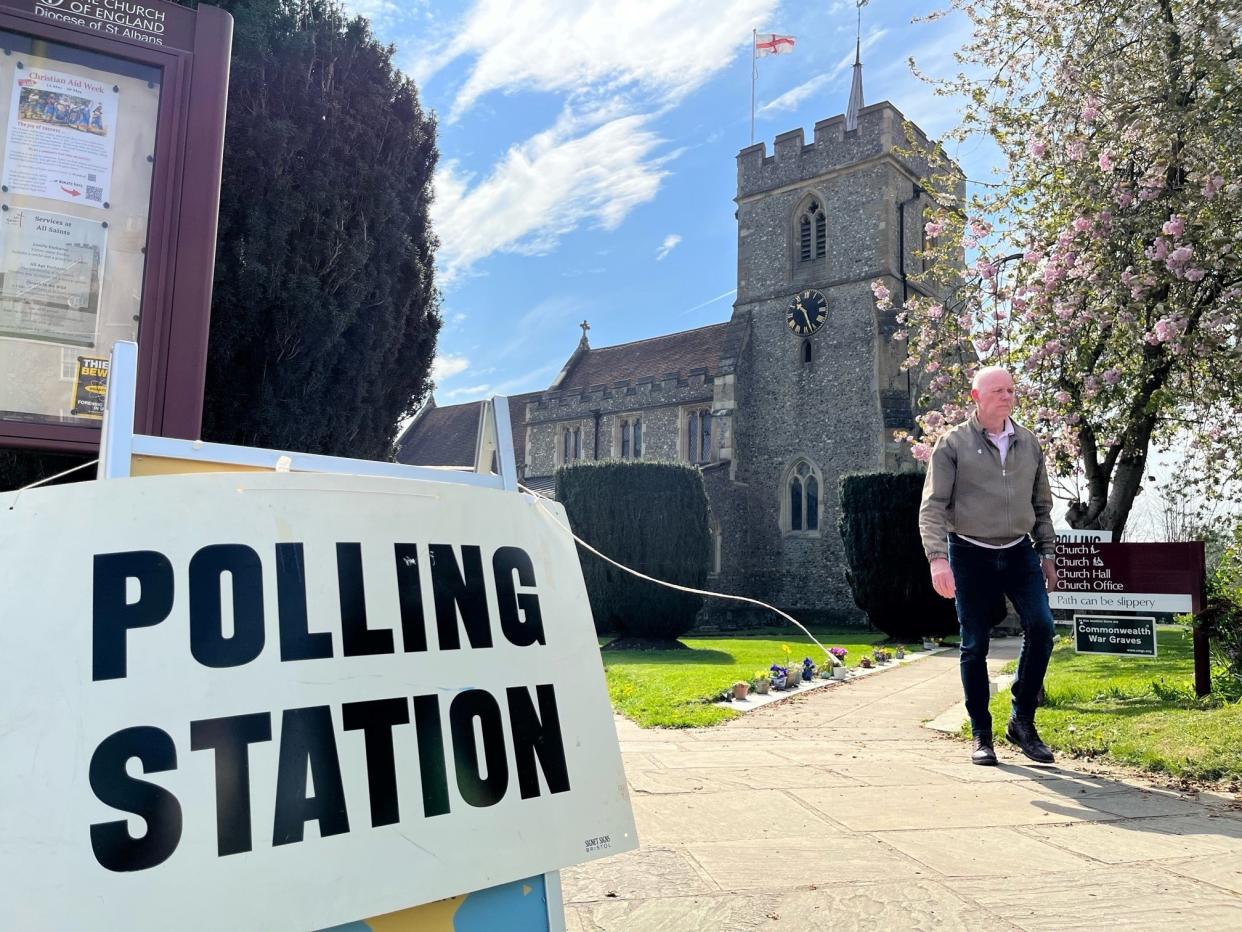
772	44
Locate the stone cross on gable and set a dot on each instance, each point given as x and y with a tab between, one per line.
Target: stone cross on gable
583	342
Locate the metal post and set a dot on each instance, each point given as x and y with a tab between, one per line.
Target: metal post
754	40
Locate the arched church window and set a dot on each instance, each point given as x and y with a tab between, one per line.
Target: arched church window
571	444
698	435
812	232
628	437
806	352
801	504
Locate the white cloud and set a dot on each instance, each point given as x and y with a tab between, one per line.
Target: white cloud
669	244
794	97
542	189
670	47
445	367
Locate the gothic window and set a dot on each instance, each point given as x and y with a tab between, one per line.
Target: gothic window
812	232
629	438
806	352
571	444
800	507
698	435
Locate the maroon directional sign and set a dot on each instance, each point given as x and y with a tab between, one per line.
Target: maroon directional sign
1129	577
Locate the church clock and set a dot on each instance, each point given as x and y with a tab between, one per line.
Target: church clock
807	313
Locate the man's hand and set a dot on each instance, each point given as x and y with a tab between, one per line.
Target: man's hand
942	578
1049	566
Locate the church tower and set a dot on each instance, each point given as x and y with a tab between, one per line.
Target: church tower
819	383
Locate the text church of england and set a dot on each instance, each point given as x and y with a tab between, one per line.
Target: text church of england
801	385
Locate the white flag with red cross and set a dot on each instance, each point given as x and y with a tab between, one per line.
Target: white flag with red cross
772	44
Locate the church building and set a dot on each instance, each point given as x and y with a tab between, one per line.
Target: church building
801	385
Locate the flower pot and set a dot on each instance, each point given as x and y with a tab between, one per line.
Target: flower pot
827	673
838	673
761	687
808	673
901	655
778	682
740	690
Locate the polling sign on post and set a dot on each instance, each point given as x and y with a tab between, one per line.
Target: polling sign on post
290	700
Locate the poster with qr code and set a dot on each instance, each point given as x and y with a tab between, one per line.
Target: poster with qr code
61	137
51	273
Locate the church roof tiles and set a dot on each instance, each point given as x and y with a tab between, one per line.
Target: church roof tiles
445	436
685	353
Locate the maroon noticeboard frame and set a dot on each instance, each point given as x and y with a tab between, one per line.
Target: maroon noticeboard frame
192	49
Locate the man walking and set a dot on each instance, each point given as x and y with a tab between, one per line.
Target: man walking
987	531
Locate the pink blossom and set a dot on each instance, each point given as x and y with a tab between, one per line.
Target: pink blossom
986	269
1174	226
979	228
1075	149
882	294
1158	250
1082	224
1195	275
933	228
1125	199
922	452
1062	397
1106	161
1111	376
1037	148
936	311
1179	257
1211	186
1090	109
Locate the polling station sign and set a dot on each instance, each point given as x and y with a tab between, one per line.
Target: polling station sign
289	701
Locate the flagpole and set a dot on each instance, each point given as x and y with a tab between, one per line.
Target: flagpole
754	40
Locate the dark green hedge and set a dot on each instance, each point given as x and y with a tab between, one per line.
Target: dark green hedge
649	516
879	524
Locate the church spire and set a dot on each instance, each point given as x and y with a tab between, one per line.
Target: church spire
856	91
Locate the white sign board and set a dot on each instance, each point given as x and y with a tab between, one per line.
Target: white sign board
1066	535
1121	601
288	701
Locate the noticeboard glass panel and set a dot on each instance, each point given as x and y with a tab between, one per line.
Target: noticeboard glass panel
77	139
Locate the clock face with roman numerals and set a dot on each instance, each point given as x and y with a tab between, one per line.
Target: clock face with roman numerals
807	313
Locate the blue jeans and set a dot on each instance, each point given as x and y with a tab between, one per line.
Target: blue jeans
983	578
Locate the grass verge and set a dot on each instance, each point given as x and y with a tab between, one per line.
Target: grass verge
676	688
1136	710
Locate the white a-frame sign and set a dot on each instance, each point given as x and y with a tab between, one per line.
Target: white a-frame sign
260	689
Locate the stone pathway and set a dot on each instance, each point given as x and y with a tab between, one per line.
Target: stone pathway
840	810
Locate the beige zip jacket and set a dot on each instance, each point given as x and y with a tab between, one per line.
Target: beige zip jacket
968	491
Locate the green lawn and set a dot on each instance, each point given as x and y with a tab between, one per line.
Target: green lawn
1137	710
676	688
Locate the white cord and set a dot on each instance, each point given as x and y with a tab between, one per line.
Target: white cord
538	499
33	485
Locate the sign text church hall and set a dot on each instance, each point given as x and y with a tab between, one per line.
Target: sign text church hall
800	386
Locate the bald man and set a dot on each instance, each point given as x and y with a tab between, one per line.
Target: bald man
986	524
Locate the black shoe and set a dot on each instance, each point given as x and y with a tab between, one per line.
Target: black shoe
983	754
1024	735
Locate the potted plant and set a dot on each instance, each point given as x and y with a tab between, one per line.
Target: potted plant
808	669
866	663
740	689
778	676
900	653
761	682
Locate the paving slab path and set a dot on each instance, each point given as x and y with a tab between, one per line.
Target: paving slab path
840	810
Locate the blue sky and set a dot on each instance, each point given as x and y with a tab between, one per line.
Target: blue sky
587	155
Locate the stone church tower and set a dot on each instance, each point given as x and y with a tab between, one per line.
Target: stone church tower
801	386
819	383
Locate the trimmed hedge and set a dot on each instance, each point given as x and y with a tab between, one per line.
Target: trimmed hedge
651	517
888	575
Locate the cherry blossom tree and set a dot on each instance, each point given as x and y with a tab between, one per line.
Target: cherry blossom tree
1105	267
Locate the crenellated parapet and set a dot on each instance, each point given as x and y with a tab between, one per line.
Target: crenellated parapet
881	129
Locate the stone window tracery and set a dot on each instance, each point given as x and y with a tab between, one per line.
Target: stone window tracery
800	506
812	232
